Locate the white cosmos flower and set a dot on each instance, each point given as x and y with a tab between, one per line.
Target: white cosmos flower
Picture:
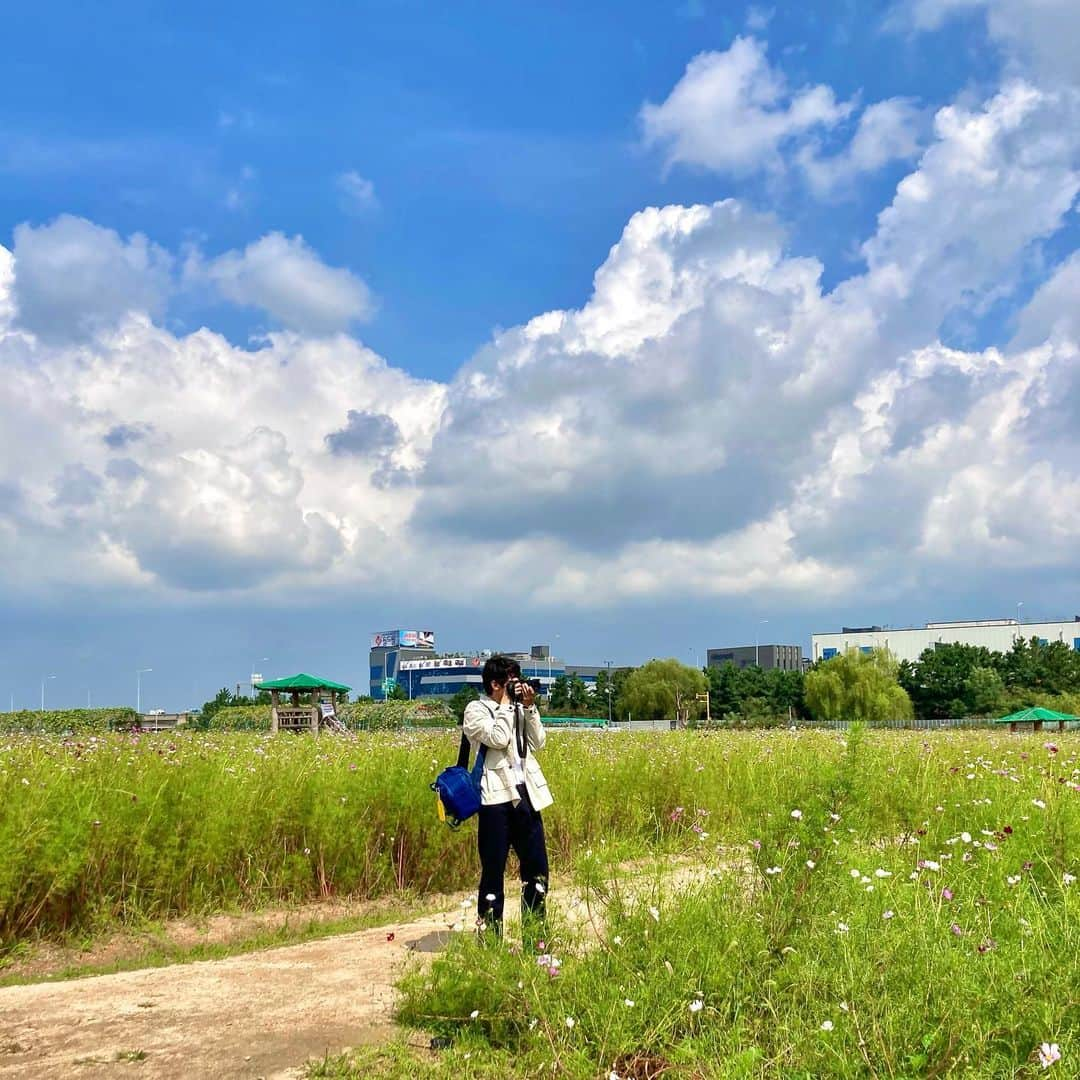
826	1025
697	1005
628	1002
570	1022
796	814
474	1014
879	873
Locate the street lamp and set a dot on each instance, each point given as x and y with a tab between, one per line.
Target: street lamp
139	673
44	680
261	660
757	643
608	662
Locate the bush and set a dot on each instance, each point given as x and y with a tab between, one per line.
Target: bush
68	721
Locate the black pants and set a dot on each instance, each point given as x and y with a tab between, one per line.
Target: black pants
502	827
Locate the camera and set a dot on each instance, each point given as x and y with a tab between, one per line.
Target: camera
514	688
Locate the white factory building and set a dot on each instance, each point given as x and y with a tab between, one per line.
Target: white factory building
908	643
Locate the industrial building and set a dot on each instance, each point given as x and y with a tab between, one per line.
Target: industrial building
407	658
783	657
908	643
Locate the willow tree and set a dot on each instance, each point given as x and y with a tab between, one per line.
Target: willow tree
663	689
857	686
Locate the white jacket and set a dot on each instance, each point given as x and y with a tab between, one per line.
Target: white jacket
492	724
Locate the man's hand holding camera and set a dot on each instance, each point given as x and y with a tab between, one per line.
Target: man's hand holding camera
521	692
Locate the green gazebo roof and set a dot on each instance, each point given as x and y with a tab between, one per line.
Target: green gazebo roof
303	681
1037	713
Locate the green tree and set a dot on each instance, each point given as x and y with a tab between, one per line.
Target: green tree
397	693
559	699
461	699
857	686
938	683
983	691
663	689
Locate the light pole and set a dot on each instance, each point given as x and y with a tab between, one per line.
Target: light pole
608	662
44	680
757	643
549	669
261	660
139	673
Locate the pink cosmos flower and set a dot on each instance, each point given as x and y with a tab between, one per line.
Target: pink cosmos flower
946	894
957	929
1048	1054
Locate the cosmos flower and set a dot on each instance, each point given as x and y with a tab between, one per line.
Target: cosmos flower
1048	1054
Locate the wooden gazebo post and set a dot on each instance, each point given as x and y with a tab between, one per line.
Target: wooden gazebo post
273	712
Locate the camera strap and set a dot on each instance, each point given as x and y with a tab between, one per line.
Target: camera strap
521	738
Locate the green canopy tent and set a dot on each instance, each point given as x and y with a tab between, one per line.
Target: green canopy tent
298	717
1036	716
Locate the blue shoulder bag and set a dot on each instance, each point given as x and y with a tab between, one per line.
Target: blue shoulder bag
458	788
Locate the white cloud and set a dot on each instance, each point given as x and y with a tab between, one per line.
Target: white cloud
284	277
732	112
710	422
888	131
357	192
758	19
1037	36
995	179
76	278
187	464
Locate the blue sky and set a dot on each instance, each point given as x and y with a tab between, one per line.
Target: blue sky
455	173
502	140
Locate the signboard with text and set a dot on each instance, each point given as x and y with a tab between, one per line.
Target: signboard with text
403	639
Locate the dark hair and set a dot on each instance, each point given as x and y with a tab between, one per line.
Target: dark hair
499	669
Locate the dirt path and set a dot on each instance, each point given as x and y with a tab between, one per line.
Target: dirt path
259	1015
263	1014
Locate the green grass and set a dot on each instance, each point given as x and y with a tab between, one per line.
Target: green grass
917	919
120	830
113	830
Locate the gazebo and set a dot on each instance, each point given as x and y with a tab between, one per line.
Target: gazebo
299	717
1036	717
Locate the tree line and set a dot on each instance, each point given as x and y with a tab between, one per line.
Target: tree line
946	681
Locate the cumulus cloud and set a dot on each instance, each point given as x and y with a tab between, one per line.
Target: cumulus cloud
1037	36
222	483
284	277
732	112
887	131
76	278
711	421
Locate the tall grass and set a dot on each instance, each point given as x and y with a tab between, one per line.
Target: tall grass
120	829
913	913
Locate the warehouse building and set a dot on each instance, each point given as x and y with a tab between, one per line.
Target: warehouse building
783	657
908	643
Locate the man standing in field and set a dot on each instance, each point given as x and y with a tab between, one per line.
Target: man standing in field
513	791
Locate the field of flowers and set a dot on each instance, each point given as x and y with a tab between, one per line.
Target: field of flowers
893	903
